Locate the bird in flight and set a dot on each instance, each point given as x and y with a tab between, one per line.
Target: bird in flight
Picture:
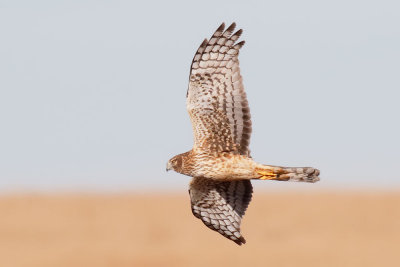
220	161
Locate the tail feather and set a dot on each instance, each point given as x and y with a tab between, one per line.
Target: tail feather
296	174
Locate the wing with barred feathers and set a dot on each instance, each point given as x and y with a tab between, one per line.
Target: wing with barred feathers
216	100
221	205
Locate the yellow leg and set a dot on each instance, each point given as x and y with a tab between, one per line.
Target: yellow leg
298	174
272	173
267	175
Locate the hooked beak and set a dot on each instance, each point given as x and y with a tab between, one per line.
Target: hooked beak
169	166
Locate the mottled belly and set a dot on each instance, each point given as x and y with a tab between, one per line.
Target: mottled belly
227	168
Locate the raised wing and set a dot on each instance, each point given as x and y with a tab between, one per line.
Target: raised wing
216	100
221	205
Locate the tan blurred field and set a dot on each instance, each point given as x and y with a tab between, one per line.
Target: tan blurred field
281	229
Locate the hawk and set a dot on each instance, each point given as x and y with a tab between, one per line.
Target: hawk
220	161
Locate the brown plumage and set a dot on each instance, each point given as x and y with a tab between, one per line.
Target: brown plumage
220	160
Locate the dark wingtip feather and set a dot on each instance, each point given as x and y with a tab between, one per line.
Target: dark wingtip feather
221	27
240	44
240	241
238	33
231	27
204	43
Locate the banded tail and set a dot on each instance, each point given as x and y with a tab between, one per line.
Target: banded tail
296	174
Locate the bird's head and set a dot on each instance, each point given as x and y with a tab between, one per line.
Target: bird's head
175	163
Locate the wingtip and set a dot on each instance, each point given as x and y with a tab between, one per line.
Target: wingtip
240	44
204	43
221	27
231	27
240	241
239	32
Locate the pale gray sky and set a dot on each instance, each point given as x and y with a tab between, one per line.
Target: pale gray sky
92	93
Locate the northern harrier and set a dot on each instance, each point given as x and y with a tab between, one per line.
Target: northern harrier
220	161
